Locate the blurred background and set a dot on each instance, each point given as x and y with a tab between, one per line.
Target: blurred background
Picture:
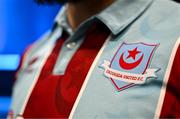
21	23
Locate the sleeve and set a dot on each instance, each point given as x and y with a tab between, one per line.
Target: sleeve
22	60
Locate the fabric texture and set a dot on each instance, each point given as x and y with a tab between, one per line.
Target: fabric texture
54	95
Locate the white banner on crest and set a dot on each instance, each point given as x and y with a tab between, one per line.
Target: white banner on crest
127	77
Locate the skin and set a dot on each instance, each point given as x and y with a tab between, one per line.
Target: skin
79	10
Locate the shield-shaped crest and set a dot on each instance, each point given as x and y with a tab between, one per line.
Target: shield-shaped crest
129	65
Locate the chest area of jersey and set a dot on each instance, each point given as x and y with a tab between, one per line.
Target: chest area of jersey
59	91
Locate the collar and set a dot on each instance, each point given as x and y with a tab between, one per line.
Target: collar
121	13
61	20
116	17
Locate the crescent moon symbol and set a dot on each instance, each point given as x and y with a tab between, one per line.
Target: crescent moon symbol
129	66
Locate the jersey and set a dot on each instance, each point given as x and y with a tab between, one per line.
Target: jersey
60	91
134	72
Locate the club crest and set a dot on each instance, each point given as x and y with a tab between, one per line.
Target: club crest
129	65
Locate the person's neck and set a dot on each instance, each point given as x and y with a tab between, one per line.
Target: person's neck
80	11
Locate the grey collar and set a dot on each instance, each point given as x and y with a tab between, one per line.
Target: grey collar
121	13
116	17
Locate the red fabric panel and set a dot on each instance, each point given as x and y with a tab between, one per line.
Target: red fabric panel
171	104
54	95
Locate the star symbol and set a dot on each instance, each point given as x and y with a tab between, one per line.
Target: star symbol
133	53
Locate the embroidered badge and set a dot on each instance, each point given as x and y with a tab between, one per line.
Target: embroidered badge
130	65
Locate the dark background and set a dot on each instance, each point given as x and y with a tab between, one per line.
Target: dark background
21	23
